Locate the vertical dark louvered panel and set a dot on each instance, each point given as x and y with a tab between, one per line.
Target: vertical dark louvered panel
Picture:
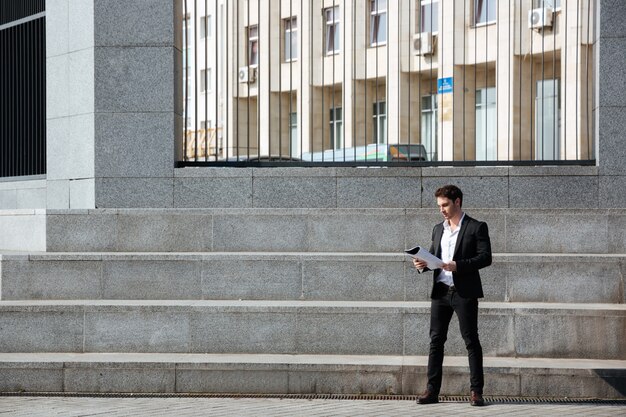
22	89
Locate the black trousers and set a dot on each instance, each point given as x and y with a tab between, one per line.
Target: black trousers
441	312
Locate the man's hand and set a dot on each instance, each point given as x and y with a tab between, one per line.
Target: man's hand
419	264
450	266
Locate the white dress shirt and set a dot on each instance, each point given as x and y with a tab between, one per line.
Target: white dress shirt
448	243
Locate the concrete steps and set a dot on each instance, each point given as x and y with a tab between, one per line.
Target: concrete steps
592	331
601	231
301	374
298	276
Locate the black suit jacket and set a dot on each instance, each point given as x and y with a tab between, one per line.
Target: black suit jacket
471	253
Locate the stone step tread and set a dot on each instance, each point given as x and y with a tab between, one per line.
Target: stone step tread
55	359
290	304
387	256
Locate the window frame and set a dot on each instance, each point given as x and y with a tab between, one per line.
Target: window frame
376	17
486	22
288	33
205	80
540	4
206	26
333	25
432	112
253	41
336	128
485	105
377	115
420	20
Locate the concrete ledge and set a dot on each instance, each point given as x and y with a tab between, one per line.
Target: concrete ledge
302	374
336	276
594	331
23	230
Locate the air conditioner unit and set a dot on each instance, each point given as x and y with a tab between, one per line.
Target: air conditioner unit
540	18
247	74
424	43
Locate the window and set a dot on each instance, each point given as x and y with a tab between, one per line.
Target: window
205	79
336	131
484	11
547	120
187	90
204	125
379	113
429	126
293	133
291	39
378	22
332	17
553	4
429	16
486	124
205	26
253	45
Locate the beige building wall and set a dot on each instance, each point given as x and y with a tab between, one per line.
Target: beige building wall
508	56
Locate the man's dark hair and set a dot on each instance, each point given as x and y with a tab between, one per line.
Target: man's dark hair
450	191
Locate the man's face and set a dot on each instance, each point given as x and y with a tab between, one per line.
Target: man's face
449	208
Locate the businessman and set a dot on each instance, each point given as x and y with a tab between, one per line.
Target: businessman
463	245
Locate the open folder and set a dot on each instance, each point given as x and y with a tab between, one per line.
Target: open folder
423	255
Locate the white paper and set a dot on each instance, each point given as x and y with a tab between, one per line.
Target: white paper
432	262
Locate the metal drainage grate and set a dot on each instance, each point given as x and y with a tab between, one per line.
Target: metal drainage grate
379	397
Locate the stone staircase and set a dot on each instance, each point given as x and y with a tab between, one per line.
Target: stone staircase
305	301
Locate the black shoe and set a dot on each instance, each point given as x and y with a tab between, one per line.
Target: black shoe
476	399
428	397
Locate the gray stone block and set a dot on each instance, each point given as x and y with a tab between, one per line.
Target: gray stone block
254	279
81	24
379	192
134	192
80	232
25	230
31	198
612	72
83	194
564	281
478	192
57	86
39	378
611	24
136	23
244	331
50	280
58	194
213	192
611	150
553	192
347	381
578	232
81	73
8	199
70	155
356	280
362	332
306	192
560	383
41	331
363	172
131	380
295	172
136	330
462	172
552	171
134	79
57	28
232	381
134	145
617	232
260	232
151	280
612	191
214	172
570	334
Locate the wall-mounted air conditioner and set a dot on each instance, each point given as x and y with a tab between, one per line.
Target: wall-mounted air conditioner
540	18
247	74
424	43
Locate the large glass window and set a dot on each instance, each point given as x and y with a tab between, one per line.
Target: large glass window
429	126
553	4
291	39
486	123
378	22
379	113
253	45
293	133
547	120
205	80
336	128
205	26
429	16
332	17
485	11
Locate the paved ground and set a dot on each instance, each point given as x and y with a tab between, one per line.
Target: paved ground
244	407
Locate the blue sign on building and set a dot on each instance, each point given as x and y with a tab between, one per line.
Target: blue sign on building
445	85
